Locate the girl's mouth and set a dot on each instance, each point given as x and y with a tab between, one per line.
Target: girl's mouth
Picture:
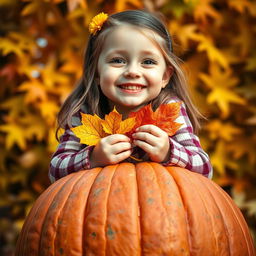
131	87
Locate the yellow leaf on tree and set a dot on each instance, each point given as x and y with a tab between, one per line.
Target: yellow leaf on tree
225	131
221	82
205	9
220	158
206	44
15	135
35	91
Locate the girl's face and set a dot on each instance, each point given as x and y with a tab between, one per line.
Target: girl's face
132	70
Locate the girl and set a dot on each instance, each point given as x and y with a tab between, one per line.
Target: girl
129	62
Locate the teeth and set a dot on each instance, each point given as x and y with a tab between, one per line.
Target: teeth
131	87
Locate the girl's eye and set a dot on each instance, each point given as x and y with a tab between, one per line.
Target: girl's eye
149	62
117	61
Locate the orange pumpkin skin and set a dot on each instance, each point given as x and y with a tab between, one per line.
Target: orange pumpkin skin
126	209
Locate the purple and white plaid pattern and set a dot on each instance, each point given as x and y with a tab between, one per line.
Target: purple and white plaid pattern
186	151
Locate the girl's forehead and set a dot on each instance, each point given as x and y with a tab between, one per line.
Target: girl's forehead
127	29
123	33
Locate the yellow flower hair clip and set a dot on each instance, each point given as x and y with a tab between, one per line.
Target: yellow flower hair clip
97	22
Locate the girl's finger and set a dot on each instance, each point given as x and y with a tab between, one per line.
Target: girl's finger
122	156
146	137
120	147
115	138
145	146
150	128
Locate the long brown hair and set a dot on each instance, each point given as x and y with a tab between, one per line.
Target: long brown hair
87	92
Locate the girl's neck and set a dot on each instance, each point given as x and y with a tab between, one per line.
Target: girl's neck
124	111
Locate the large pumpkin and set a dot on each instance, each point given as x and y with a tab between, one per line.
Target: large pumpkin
142	209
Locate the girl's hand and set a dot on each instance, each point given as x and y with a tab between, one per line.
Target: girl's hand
111	150
153	141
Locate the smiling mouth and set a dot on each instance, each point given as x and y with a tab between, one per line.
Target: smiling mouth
131	87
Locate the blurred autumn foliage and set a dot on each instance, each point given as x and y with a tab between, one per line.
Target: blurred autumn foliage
41	50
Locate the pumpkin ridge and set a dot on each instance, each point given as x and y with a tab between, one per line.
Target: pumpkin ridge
154	243
47	199
183	179
154	166
171	170
76	196
107	204
61	198
237	215
139	213
29	223
95	211
122	208
85	209
203	185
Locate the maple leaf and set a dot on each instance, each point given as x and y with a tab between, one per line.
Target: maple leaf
226	131
182	32
94	128
113	123
163	117
220	158
205	9
51	76
91	130
221	82
15	135
206	44
16	43
35	91
49	110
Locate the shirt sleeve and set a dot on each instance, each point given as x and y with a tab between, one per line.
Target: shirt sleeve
186	151
70	156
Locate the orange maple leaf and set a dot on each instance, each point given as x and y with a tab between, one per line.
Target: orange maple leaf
113	123
163	117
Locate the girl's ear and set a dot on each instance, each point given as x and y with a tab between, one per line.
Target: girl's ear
167	76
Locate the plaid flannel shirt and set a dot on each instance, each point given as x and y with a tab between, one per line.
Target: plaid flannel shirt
186	151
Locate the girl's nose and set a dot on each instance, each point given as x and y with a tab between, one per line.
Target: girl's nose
132	72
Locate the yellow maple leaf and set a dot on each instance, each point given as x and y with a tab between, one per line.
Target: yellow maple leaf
35	91
16	134
204	9
221	83
17	43
220	158
182	32
206	44
91	130
226	131
49	110
51	76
